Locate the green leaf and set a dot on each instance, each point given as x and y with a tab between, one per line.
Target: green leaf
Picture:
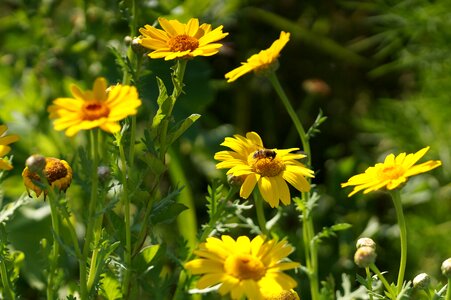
9	209
181	127
164	102
110	287
330	231
167	209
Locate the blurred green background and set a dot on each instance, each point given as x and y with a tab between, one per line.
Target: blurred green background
379	70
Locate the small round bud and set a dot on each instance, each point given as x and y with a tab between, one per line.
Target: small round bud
235	180
365	256
35	163
128	40
137	47
365	242
446	268
283	295
103	172
422	281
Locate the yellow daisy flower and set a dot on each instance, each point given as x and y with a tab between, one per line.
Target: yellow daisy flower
100	107
243	267
283	295
262	61
269	168
5	140
393	172
178	40
57	172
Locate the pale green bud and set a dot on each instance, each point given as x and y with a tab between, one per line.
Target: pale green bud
365	256
446	268
365	242
422	281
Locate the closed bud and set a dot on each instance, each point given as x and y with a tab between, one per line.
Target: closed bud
365	242
137	47
35	163
236	181
365	256
446	268
103	172
422	281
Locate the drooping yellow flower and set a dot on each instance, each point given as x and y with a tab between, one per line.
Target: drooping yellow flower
178	40
262	61
269	168
100	107
393	172
57	172
243	267
5	140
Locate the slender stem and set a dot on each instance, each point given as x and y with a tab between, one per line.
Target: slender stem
94	142
384	281
448	290
55	247
127	220
369	279
260	213
177	80
8	293
396	196
308	229
294	118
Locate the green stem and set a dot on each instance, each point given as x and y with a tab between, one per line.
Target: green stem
8	293
177	80
94	142
260	213
384	281
127	220
291	112
308	229
396	196
448	290
369	279
51	287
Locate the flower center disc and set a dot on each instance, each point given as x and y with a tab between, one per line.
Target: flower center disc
94	110
54	170
391	172
266	166
183	43
244	266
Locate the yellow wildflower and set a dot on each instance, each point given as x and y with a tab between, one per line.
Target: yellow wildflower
5	140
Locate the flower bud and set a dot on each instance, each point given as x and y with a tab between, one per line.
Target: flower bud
365	242
316	87
137	47
446	268
236	181
422	281
35	163
103	172
365	256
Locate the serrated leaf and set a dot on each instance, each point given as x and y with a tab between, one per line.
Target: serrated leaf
9	209
164	102
181	127
110	288
168	214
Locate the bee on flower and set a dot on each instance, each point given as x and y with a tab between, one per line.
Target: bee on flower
269	169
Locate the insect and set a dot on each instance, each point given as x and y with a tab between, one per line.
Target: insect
265	153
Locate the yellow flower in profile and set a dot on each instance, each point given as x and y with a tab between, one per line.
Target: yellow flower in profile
57	172
5	140
178	40
393	172
244	268
100	107
262	61
269	168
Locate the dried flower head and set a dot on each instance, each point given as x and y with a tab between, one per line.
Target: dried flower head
57	173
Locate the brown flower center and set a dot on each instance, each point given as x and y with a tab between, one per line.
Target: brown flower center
266	163
183	43
54	170
244	266
391	172
94	110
